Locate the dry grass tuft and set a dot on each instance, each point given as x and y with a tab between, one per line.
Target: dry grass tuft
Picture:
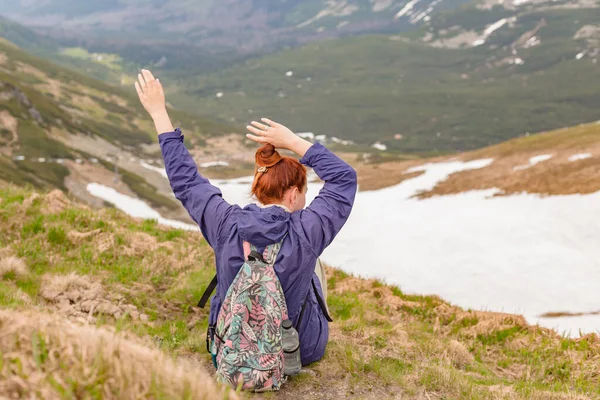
49	357
55	285
458	354
76	237
141	243
55	202
29	201
13	265
80	299
6	252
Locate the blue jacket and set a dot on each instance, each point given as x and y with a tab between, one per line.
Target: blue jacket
225	227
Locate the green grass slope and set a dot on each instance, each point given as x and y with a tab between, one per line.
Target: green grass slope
107	271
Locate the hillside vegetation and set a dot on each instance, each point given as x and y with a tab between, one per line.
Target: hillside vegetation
61	129
108	273
45	47
450	86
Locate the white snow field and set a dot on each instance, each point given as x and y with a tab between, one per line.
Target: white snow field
518	254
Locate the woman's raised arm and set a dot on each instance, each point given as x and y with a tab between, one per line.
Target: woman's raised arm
203	201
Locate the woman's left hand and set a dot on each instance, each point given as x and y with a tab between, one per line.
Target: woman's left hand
278	135
151	93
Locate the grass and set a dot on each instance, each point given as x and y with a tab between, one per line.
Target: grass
383	342
112	61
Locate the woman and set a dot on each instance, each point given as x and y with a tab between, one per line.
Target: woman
280	184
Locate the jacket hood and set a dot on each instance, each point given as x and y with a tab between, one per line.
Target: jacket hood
263	226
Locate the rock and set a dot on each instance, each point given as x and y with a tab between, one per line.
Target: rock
35	114
106	308
306	371
88	305
134	315
144	318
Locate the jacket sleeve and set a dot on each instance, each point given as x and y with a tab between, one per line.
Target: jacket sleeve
329	211
203	201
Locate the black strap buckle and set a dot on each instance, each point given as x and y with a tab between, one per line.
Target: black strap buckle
256	256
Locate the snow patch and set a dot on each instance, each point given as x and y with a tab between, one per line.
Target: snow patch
532	42
489	30
306	135
134	207
380	5
580	55
211	164
495	26
533	161
581	156
379	146
342	141
408	7
153	168
506	254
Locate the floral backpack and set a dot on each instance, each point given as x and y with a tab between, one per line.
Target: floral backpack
247	344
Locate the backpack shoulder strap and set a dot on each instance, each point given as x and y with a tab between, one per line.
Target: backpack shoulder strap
206	295
271	251
321	302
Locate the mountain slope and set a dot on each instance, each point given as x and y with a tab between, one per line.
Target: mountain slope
47	48
472	78
59	129
242	24
101	269
561	162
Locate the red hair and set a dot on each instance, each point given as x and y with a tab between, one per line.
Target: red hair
275	175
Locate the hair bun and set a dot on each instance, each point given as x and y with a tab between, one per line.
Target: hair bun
267	156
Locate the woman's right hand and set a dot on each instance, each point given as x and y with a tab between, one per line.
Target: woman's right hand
278	135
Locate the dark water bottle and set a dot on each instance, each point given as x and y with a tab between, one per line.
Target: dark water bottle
291	349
